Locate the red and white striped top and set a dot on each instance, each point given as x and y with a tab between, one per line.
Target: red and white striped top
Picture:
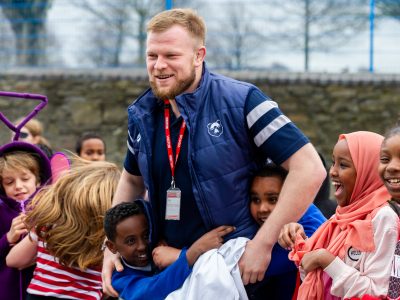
53	279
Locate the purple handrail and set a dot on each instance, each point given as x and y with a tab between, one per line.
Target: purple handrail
33	113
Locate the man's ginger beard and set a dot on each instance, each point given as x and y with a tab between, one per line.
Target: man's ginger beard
180	87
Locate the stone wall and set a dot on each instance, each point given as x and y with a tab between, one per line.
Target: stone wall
322	105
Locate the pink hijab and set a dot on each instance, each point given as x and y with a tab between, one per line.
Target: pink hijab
352	224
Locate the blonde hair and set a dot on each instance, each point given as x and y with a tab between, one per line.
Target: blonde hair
69	215
35	128
20	160
187	18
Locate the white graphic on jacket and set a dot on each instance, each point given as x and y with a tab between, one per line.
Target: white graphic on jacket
215	128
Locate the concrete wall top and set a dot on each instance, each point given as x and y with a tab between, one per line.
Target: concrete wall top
253	76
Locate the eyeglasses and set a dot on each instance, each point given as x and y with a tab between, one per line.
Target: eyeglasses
23	135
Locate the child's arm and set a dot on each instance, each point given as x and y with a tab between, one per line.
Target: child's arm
163	256
23	254
135	285
131	285
210	240
372	277
361	273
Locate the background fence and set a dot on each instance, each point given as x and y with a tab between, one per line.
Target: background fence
291	35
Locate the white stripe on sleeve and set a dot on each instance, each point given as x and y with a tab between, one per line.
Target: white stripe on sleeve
130	148
260	110
270	129
127	143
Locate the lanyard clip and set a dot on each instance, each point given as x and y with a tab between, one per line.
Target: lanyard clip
173	182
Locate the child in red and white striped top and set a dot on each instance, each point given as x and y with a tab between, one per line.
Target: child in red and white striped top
66	223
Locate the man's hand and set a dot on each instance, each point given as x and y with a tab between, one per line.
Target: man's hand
110	262
254	262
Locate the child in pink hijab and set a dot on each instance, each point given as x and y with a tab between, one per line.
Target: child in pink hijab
350	254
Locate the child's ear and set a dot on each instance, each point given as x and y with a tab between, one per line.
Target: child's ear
111	246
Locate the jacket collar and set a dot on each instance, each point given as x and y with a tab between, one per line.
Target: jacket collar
192	101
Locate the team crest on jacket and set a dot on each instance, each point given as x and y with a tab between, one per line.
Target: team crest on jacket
215	128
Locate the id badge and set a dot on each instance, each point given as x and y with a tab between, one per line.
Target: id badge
173	207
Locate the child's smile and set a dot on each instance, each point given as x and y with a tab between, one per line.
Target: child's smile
389	166
132	240
264	194
19	184
343	173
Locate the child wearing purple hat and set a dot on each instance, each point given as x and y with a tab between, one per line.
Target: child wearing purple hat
23	169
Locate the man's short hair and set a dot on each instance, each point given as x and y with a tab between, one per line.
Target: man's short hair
187	18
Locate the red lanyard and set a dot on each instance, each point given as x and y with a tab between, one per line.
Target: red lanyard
172	162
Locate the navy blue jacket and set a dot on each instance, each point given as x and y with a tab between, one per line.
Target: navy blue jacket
221	163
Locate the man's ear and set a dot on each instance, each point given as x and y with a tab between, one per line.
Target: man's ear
111	246
200	55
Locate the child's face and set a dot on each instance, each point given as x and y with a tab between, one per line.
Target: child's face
19	184
93	149
132	240
389	166
343	173
264	193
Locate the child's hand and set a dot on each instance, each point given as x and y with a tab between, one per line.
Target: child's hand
319	258
17	229
163	256
210	240
288	233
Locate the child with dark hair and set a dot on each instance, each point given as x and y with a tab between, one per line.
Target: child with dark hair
389	171
91	146
129	231
280	279
349	256
322	199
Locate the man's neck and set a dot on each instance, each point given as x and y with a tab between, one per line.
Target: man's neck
174	107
